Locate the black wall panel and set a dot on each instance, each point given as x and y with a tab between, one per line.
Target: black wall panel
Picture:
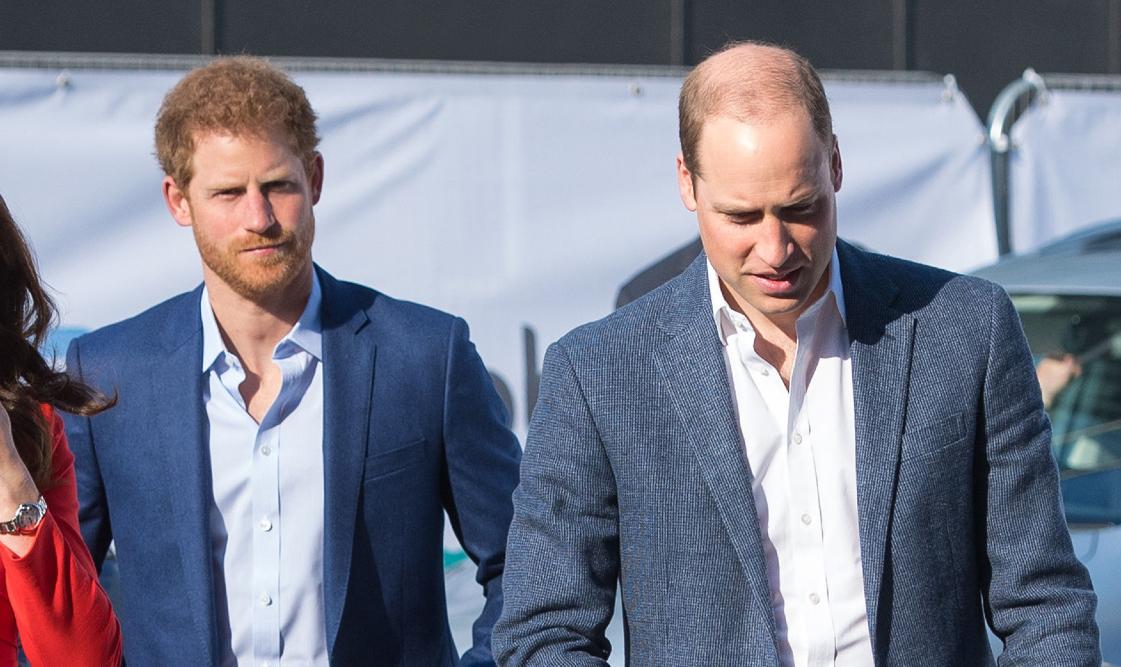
123	26
988	44
837	35
577	31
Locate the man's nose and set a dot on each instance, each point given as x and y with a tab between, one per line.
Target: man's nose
259	214
773	244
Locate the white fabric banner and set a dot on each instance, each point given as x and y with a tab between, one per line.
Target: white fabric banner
917	178
1065	170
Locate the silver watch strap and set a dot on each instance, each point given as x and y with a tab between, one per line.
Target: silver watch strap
28	517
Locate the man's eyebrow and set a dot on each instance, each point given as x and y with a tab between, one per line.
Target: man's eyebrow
807	199
744	209
221	187
735	209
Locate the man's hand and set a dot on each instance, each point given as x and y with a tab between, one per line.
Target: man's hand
1055	372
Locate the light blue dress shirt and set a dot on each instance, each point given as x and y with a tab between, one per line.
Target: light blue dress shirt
266	518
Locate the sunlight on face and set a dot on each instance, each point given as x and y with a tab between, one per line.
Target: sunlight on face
250	205
766	210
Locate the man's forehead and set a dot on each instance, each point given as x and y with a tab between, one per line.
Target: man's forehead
730	195
219	157
726	131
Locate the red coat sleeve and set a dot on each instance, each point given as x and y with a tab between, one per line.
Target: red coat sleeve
62	614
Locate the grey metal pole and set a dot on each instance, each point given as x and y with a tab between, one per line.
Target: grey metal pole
1009	104
208	27
677	37
901	34
1114	27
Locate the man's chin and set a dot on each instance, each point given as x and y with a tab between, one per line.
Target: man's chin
262	282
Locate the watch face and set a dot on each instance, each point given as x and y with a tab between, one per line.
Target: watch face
28	516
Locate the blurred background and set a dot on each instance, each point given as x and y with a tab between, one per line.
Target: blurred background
512	162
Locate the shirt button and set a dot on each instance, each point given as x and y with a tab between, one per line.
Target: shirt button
797	438
815	598
265	599
806	519
764	372
266	450
265	524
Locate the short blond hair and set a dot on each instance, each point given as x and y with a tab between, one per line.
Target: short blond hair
236	95
749	89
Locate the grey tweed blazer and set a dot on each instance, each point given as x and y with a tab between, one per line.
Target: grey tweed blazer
634	473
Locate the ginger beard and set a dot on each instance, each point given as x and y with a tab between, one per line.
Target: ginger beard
249	206
259	267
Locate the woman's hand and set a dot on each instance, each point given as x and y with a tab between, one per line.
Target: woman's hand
16	485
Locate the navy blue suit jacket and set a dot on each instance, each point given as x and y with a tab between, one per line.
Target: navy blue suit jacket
635	472
412	427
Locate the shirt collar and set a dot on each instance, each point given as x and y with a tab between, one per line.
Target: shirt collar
306	335
728	320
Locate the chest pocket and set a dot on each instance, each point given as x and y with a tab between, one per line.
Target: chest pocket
396	459
936	437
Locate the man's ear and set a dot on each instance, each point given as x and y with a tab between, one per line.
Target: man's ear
315	178
685	184
177	202
836	171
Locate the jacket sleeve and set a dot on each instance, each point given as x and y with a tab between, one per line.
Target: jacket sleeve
1038	597
563	560
62	614
482	457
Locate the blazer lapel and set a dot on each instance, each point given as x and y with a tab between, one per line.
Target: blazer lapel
348	377
690	361
178	420
881	339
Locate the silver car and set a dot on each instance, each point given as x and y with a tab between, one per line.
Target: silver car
1068	295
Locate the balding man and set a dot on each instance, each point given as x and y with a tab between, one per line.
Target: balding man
796	452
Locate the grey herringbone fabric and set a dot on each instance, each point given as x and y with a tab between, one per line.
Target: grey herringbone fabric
634	471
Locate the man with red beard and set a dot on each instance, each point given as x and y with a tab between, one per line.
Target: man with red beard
285	445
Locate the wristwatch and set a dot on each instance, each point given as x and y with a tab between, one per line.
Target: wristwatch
27	518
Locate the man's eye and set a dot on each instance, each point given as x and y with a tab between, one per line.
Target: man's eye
801	211
280	186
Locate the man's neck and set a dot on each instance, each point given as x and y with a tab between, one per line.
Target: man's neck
776	341
251	327
776	336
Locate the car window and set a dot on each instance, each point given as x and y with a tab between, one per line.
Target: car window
1076	343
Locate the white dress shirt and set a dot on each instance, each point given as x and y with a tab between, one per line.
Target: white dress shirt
801	447
266	518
